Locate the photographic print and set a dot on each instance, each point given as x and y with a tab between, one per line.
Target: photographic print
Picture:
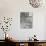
26	20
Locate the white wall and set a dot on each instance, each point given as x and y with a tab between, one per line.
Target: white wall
12	8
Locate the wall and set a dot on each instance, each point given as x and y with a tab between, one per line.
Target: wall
12	8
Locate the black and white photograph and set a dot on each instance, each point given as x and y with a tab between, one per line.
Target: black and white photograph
26	20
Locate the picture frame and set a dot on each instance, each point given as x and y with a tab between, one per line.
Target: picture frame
26	20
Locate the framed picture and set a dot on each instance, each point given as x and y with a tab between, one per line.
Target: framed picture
26	19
